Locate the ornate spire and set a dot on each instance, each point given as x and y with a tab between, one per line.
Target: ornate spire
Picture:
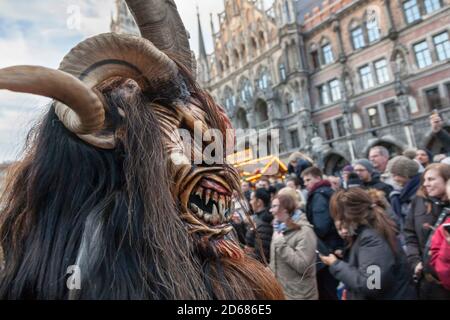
201	41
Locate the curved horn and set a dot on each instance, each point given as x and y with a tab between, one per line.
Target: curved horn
91	62
87	113
160	22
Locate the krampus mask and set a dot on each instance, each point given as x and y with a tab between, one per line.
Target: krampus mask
100	206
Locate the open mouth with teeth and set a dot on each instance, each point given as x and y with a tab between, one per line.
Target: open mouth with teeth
211	202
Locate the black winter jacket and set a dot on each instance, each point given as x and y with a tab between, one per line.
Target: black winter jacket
264	229
373	271
318	214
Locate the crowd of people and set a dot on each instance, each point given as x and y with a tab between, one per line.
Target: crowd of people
380	229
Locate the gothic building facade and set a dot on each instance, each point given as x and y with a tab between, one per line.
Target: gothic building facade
344	74
333	78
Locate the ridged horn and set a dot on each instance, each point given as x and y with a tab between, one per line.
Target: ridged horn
88	64
87	113
160	22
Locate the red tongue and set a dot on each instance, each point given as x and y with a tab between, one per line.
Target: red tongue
208	184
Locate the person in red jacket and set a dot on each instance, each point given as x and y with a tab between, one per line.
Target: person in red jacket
440	255
440	251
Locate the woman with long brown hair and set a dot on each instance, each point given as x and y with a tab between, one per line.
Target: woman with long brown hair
375	266
427	211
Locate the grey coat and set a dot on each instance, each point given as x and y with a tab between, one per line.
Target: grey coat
293	261
372	271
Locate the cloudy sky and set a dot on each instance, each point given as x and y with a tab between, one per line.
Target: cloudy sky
41	32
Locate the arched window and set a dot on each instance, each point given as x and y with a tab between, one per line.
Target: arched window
262	39
254	43
282	69
261	111
263	79
290	104
357	35
229	99
314	55
327	52
373	31
243	51
245	90
241	117
236	54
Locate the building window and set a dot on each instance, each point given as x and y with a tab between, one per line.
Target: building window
323	95
442	46
382	71
358	38
335	89
433	99
412	11
366	77
295	143
246	91
282	72
340	127
263	82
328	129
327	53
287	12
230	100
373	32
391	111
289	105
432	5
315	59
374	117
423	55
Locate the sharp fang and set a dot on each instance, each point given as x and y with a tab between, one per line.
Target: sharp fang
220	204
207	217
214	210
194	208
208	196
199	192
200	213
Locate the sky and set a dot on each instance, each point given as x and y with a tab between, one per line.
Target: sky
41	32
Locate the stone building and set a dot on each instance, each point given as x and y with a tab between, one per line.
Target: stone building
343	74
334	77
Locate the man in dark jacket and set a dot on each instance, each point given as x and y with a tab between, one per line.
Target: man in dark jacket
437	127
405	173
371	178
318	214
261	233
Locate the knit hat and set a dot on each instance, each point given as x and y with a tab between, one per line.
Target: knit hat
404	167
347	168
365	163
410	153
